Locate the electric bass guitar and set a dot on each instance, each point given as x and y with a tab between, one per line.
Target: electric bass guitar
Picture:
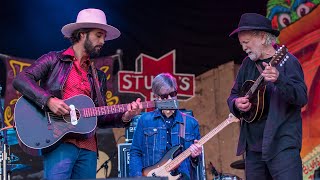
169	163
41	131
255	90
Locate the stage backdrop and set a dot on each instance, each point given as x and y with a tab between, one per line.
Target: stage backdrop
299	24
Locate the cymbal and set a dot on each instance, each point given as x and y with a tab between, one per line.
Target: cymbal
239	164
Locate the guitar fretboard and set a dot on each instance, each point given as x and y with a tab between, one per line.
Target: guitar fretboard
185	154
104	110
254	86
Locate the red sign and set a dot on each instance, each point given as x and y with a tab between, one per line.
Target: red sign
147	67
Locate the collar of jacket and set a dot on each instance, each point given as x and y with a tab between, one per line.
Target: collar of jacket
178	115
63	57
69	58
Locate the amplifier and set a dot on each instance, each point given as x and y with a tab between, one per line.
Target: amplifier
132	127
123	159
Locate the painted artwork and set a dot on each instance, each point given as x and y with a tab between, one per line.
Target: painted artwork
299	25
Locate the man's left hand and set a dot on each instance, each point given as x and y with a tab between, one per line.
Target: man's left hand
134	109
195	149
270	73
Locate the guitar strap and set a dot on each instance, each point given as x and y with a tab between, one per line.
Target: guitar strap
182	130
99	96
259	68
96	84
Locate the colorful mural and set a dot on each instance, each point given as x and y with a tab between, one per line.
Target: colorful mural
299	23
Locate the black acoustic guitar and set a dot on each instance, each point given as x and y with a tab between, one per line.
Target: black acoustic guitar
41	131
255	90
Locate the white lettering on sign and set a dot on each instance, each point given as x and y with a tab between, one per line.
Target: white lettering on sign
184	83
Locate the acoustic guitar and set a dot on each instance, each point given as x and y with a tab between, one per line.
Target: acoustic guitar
255	90
41	131
168	163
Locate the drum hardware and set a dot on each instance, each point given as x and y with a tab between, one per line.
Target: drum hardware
222	176
8	137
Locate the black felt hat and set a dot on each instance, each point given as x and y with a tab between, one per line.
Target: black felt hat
253	21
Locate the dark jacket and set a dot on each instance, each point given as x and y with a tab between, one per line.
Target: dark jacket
52	71
283	128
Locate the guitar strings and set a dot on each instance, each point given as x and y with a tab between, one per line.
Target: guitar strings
59	117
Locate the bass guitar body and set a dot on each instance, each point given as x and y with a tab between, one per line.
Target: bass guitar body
256	99
160	169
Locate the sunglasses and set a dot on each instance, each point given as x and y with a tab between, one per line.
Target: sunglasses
165	96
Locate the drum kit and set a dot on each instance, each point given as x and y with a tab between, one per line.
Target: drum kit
239	164
7	159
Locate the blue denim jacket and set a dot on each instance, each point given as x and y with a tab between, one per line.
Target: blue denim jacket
150	137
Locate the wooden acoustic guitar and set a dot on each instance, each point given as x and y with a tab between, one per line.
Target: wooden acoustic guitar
255	90
41	131
168	163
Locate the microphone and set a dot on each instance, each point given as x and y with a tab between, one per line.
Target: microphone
118	56
119	52
214	170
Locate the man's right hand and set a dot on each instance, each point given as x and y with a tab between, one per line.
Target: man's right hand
58	106
243	104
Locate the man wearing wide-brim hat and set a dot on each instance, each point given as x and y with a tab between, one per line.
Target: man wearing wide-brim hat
271	126
64	75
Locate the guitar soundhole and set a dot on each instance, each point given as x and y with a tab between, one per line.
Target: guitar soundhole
67	118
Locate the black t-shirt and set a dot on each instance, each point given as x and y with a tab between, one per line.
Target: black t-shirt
254	130
169	123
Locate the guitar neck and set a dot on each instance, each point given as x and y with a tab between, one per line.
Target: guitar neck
104	110
255	86
185	154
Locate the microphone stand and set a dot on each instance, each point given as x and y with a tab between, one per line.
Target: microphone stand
4	157
105	164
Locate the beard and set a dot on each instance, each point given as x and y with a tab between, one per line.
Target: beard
253	56
92	51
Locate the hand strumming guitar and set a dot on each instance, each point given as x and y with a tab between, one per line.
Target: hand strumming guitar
242	103
270	73
58	106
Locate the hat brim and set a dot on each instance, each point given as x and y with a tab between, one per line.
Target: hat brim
112	32
248	28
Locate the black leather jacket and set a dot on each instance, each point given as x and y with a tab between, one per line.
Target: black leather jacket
52	70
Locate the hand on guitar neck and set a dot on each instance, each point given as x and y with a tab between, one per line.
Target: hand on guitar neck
270	73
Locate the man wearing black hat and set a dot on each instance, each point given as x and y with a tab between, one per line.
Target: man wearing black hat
271	138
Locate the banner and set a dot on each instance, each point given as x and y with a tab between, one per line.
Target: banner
14	65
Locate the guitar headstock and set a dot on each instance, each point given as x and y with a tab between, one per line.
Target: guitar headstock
232	118
167	104
279	55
